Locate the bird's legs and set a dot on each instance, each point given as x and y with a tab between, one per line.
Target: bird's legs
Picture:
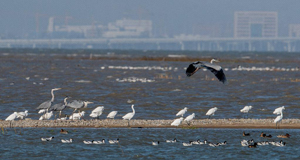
128	123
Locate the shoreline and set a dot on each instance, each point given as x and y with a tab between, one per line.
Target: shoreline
138	123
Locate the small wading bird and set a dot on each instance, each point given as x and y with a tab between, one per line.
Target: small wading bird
46	116
278	110
215	69
211	112
189	118
177	122
128	116
47	104
278	119
22	115
77	116
112	114
246	109
182	112
96	113
12	117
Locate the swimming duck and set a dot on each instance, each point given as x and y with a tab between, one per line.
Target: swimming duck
67	141
252	145
246	134
155	143
47	139
172	141
62	131
113	141
187	144
284	136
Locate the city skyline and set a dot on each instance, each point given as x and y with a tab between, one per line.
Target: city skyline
169	18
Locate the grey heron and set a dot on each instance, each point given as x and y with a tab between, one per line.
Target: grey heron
128	116
78	104
59	107
215	69
47	104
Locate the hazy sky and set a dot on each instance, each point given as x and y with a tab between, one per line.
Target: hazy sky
170	16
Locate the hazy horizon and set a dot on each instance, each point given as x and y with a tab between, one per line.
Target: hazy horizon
171	17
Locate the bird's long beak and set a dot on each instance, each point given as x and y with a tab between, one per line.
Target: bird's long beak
56	89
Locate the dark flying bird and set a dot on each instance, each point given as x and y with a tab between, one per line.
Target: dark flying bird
215	69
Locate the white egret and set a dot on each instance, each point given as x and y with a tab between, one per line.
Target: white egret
215	69
46	116
78	116
189	118
96	113
128	116
182	112
42	111
22	115
211	111
177	122
112	114
279	110
278	119
47	104
47	139
12	117
246	109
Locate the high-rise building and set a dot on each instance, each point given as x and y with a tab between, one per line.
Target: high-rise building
294	30
255	24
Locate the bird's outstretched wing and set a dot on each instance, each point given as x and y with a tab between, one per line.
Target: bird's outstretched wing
193	68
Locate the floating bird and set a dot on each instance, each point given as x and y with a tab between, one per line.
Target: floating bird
222	143
59	107
46	116
252	145
182	112
47	104
66	140
177	122
187	144
22	115
246	109
246	134
62	131
171	141
77	116
280	144
278	119
88	142
78	104
278	110
47	139
211	112
215	69
112	114
12	117
113	141
265	136
96	113
284	136
155	143
189	118
128	116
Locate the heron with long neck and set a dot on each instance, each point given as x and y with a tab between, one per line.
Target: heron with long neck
47	104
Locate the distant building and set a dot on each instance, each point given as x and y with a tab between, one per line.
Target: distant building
294	30
255	24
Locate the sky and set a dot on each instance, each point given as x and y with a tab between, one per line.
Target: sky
172	17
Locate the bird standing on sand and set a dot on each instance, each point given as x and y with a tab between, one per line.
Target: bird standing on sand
278	110
78	104
177	122
47	104
182	112
215	69
112	114
22	115
128	116
96	113
189	118
278	119
246	109
12	117
211	112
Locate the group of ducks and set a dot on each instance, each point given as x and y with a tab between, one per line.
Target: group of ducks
190	143
252	144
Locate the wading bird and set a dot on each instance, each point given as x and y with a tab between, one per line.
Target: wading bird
78	104
128	116
77	116
246	109
182	112
112	114
177	122
22	115
59	107
46	116
47	104
12	116
278	119
278	110
189	118
211	112
96	113
215	69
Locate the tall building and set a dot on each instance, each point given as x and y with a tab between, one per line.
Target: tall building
255	24
294	30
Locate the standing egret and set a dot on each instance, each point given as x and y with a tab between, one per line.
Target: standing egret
211	112
112	114
128	116
278	110
182	112
246	109
12	116
96	113
47	104
78	116
78	104
59	107
177	122
278	119
189	118
46	116
22	115
215	69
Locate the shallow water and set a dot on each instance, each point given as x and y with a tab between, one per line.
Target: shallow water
24	143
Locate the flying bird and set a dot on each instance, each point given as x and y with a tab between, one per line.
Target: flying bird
215	69
182	112
211	111
47	104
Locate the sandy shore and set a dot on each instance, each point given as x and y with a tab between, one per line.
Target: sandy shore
136	123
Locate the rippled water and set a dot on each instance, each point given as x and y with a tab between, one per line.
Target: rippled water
135	143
